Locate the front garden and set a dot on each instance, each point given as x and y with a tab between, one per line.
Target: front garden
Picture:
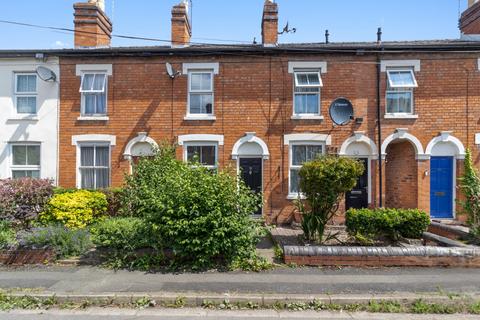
181	216
169	214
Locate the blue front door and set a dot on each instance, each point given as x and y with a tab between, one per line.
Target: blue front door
441	187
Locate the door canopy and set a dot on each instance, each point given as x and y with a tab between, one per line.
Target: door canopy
140	146
250	145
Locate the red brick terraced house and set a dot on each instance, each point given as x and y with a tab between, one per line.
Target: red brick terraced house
264	109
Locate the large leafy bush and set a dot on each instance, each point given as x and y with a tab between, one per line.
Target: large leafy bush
66	242
470	186
324	182
7	235
367	224
22	200
125	234
76	210
204	217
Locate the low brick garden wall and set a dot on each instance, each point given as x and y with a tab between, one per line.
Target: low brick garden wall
26	256
382	256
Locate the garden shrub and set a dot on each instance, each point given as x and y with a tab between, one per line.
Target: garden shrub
22	200
126	234
367	224
324	182
114	199
66	242
203	216
7	235
470	186
76	210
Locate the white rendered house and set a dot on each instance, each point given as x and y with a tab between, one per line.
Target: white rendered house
29	101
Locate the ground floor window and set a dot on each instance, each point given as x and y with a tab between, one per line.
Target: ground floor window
204	153
25	160
94	166
299	154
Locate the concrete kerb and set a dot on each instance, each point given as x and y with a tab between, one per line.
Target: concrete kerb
264	300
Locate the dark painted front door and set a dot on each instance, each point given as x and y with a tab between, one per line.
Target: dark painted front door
251	171
358	197
441	187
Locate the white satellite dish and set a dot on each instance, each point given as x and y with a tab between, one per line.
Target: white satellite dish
46	74
170	71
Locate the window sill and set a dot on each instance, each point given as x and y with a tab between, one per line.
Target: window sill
93	118
294	196
200	118
401	116
24	118
307	117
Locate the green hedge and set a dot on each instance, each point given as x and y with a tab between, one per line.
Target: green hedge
75	210
367	224
126	234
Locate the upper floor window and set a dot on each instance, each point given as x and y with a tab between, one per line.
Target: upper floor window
200	95
307	93
94	94
94	166
400	87
300	153
25	160
26	93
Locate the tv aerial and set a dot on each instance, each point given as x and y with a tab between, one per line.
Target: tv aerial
287	29
172	73
341	111
46	74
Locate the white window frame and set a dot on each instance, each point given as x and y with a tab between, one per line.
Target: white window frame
201	144
25	94
296	72
291	167
25	167
191	91
79	159
83	93
400	89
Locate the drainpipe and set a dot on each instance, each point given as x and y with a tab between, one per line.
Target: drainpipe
379	121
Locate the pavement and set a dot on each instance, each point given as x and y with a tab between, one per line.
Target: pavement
282	281
195	314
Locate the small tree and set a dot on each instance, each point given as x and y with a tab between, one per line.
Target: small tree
470	186
324	182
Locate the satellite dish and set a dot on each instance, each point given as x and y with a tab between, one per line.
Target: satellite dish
46	74
341	111
170	71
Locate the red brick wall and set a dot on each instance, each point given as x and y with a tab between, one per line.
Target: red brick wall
254	93
401	176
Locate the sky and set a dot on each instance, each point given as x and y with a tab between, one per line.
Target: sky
238	21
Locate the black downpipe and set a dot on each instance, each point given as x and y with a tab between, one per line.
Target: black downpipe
379	122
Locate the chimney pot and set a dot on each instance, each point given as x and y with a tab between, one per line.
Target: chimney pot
270	23
92	26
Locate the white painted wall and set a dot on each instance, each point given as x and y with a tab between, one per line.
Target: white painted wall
41	129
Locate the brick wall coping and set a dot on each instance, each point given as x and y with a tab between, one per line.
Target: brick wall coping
304	251
457	230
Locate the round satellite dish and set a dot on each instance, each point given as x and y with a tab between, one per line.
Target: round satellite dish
341	111
170	71
46	74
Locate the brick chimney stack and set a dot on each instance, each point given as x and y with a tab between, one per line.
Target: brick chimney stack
181	28
93	29
270	23
470	20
